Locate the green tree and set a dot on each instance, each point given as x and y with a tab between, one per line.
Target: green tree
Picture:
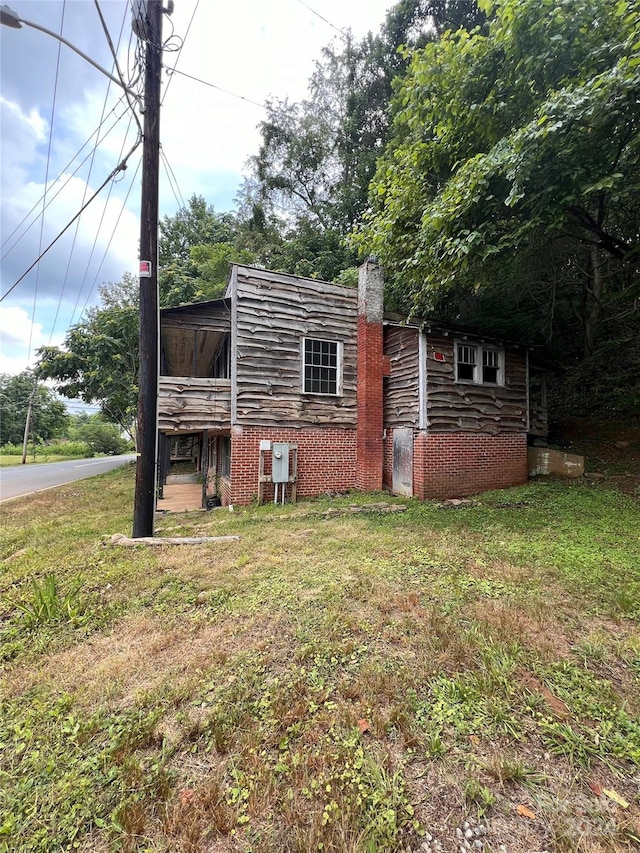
193	225
98	435
317	156
517	147
49	416
195	249
98	362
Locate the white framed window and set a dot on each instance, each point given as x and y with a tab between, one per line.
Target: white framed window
482	365
321	367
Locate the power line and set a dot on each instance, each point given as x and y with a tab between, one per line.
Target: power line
86	188
322	18
98	229
53	198
108	246
193	14
119	168
115	59
170	175
46	181
171	71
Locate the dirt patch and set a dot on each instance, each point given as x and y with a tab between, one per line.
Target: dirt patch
552	809
556	705
141	654
512	624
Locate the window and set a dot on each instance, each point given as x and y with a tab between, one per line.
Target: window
482	365
490	366
321	366
467	362
224	456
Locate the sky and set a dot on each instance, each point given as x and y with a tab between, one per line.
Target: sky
55	107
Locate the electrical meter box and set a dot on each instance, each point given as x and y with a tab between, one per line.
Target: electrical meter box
280	462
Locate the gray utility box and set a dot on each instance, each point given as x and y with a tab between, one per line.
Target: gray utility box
280	462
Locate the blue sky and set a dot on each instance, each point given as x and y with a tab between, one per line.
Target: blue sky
258	49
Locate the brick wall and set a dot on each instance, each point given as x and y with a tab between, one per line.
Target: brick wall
370	406
452	465
371	369
326	460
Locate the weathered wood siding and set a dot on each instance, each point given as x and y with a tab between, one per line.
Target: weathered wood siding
193	404
401	388
274	312
465	407
538	421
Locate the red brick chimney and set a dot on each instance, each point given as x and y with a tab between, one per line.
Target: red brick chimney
370	372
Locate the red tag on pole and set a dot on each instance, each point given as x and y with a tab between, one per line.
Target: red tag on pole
145	269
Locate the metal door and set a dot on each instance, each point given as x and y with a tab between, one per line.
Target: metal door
403	462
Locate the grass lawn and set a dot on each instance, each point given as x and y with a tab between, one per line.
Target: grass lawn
7	459
431	680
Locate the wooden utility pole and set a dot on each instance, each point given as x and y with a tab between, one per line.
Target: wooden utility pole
146	439
27	425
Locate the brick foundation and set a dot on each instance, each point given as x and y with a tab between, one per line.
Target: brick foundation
453	465
326	460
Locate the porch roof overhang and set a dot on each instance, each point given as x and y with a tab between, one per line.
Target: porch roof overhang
217	306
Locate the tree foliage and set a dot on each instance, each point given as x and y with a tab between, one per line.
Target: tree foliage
517	147
318	156
98	362
48	414
98	435
196	247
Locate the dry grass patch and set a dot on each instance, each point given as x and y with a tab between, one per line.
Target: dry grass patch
142	654
343	682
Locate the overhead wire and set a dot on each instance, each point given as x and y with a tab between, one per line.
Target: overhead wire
119	168
46	181
52	198
172	71
98	229
172	179
86	186
186	35
115	59
113	233
322	18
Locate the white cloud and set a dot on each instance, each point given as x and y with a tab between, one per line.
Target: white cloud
16	331
32	119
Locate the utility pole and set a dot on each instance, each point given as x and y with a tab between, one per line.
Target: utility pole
147	434
27	425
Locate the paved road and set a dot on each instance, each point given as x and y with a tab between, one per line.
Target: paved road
17	480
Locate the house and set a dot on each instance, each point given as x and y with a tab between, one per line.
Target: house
292	386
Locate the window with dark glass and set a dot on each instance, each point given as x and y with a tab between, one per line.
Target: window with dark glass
490	366
321	366
467	362
481	365
224	456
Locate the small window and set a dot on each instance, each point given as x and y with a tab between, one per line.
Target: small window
481	365
321	366
224	456
467	362
491	366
